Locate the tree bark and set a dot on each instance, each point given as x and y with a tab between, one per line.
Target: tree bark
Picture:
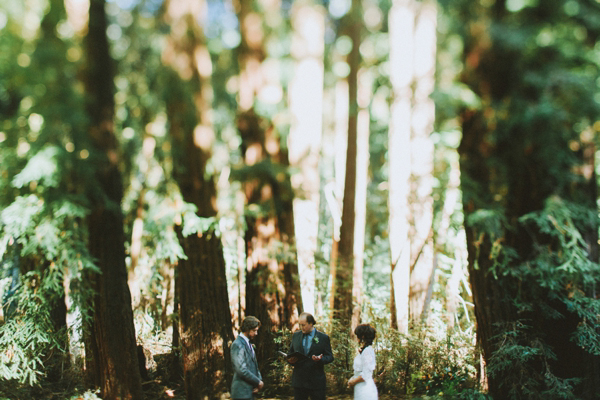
272	285
334	191
401	58
273	293
519	170
111	347
422	119
205	328
345	268
304	140
362	181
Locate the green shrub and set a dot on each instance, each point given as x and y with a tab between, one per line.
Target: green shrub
420	363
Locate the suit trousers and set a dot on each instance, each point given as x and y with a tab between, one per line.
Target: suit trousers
305	394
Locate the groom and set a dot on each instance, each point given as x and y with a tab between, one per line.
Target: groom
308	378
247	379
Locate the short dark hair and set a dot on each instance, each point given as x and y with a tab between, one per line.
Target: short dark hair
249	323
365	333
309	318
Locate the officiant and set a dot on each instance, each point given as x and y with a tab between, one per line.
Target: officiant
308	378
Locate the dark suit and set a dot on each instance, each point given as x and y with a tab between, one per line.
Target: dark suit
246	375
309	376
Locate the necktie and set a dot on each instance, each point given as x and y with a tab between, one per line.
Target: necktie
305	343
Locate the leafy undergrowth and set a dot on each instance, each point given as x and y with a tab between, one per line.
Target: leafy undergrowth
162	383
422	365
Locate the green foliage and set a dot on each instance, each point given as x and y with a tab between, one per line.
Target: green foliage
420	363
193	224
27	340
41	168
529	382
423	363
532	214
49	236
558	277
43	209
279	378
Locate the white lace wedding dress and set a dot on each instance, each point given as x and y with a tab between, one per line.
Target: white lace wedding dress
364	365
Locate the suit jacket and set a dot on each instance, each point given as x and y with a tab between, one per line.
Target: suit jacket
310	374
246	375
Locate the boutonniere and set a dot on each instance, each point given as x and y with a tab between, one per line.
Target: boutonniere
253	347
316	339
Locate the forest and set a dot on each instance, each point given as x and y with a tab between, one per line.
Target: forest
427	167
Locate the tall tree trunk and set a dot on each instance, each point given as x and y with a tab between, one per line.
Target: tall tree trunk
334	191
111	346
362	167
345	267
401	22
519	167
457	275
272	284
205	328
304	140
422	119
251	54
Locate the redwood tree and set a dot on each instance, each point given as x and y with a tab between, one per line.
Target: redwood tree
401	22
529	196
272	283
345	268
205	328
111	358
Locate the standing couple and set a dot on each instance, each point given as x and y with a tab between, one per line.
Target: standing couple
308	377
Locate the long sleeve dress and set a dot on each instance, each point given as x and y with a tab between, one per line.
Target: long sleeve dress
364	365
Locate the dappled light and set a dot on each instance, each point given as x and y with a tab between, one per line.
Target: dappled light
77	15
183	180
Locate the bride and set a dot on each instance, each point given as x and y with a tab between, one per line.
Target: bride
364	365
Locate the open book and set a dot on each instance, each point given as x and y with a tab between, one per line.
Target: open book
299	356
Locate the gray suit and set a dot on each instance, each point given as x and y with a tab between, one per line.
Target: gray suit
246	375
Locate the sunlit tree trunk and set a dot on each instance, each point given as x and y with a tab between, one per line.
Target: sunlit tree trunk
167	298
401	22
272	285
422	119
345	268
110	346
284	208
205	327
450	203
304	141
334	191
362	169
251	54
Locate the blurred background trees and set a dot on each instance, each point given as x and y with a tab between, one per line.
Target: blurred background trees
172	166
